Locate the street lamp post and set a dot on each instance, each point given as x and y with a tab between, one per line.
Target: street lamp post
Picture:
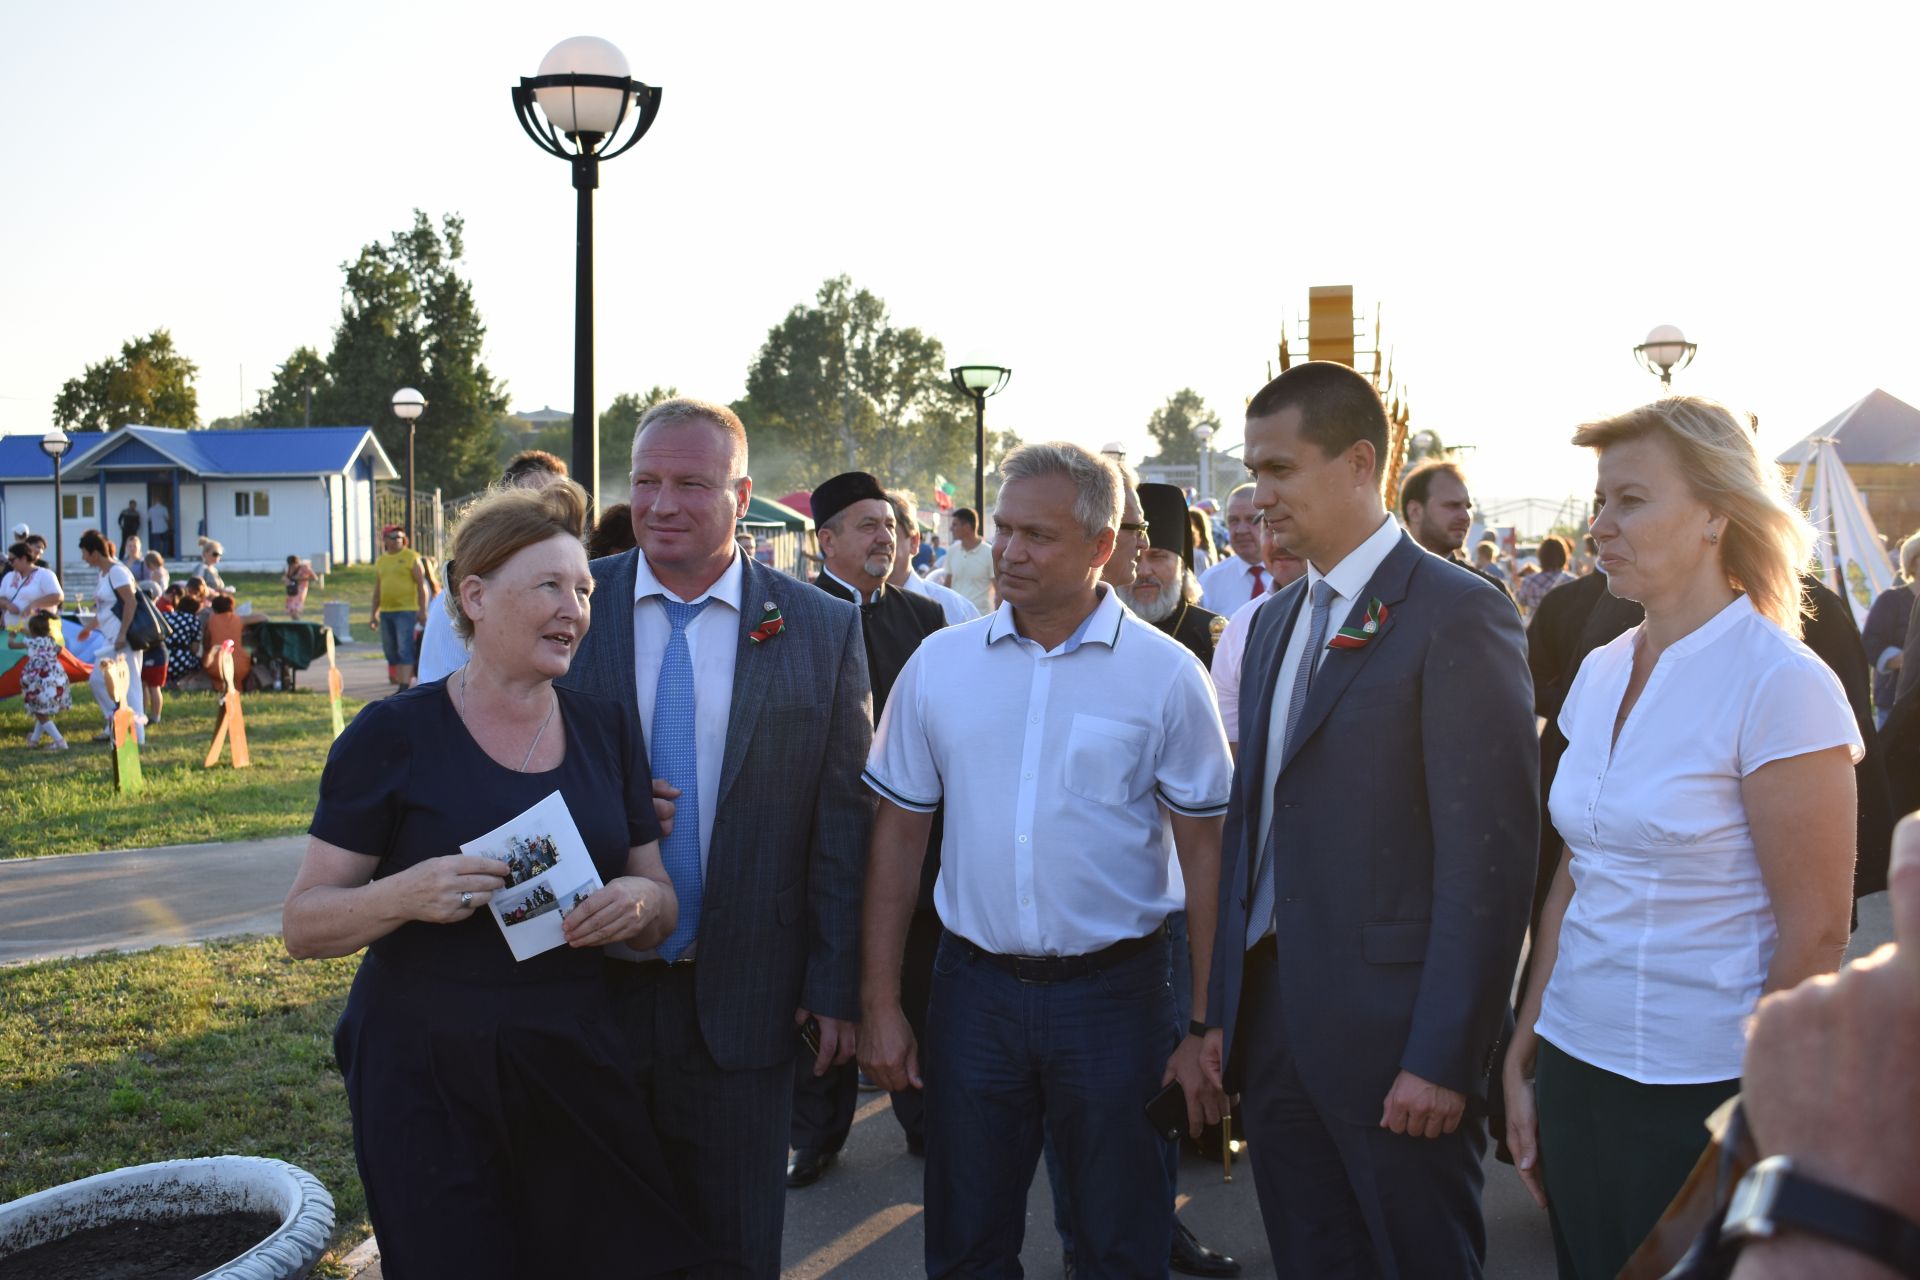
1203	432
408	405
585	96
55	445
980	380
1665	350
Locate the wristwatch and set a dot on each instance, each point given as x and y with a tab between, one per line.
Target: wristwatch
1775	1197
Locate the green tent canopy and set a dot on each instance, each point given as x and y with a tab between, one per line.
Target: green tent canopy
764	511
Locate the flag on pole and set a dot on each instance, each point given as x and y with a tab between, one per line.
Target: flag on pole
1848	553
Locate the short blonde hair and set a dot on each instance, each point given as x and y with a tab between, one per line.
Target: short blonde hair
1769	542
1098	502
500	524
684	409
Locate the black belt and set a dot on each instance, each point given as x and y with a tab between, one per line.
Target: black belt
1049	969
644	970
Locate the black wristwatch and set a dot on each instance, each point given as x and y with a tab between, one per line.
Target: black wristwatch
1197	1028
1774	1197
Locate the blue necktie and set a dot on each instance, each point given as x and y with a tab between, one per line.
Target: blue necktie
1260	913
673	753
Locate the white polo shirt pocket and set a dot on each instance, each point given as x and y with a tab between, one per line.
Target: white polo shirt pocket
1104	758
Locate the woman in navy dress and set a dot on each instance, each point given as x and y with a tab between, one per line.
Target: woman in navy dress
497	1125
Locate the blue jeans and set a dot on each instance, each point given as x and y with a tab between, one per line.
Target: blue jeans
1180	976
396	636
1007	1061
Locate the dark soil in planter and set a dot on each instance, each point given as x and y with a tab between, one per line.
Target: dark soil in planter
144	1248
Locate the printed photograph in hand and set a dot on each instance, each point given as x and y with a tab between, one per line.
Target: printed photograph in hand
574	897
527	857
537	901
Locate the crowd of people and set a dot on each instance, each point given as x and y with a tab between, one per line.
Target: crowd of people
1082	816
195	618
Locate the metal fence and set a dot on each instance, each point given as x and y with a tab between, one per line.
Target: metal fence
429	518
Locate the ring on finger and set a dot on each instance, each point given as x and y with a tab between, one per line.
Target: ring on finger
466	899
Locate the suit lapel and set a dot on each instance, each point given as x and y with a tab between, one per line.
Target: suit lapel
1253	746
1389	585
753	669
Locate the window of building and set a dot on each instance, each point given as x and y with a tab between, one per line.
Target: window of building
76	506
255	504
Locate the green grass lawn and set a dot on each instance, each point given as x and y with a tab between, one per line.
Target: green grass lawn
220	1049
268	593
64	801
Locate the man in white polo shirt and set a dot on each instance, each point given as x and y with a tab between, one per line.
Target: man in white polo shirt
1054	888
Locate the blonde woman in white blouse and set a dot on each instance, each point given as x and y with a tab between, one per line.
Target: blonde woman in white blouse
1706	798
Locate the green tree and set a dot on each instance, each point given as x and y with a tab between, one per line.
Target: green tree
838	387
284	404
147	384
407	319
617	424
1172	424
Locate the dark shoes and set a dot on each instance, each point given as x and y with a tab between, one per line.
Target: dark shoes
1191	1258
807	1164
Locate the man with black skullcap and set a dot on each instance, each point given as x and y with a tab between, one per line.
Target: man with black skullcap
857	527
1164	590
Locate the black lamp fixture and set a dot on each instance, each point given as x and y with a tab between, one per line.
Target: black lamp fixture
1665	350
584	99
408	405
55	445
978	379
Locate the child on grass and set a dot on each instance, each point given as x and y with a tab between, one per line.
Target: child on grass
43	683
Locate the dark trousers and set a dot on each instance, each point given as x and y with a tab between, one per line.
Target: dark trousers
1344	1200
1180	980
916	989
1007	1061
1615	1152
723	1133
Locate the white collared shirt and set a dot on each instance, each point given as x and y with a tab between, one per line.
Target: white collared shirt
713	643
1230	584
1348	579
855	591
1667	939
1228	656
1053	767
957	607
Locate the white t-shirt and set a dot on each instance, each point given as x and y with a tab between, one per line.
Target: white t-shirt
1666	942
971	574
442	651
16	593
105	596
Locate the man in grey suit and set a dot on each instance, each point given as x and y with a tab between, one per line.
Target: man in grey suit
752	689
1376	872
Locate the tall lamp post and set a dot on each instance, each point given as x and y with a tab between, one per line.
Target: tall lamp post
1203	432
1665	350
585	97
55	445
980	380
408	405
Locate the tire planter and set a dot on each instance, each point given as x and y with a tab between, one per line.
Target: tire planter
177	1189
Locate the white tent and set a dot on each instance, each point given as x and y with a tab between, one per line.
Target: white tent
1850	557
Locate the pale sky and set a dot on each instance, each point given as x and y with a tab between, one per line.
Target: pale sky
1113	200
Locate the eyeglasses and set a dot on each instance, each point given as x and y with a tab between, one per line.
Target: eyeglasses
1140	528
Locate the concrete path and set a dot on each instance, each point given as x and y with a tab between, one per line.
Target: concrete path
132	899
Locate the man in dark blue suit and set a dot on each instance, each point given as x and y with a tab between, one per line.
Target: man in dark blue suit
1377	862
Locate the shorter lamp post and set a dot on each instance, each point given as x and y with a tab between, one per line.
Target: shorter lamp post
55	445
1665	350
408	405
980	380
1203	432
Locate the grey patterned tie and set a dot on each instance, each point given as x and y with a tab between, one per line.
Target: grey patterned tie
1260	913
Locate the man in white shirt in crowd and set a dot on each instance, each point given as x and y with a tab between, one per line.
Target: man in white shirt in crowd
1241	576
1282	568
1051	979
906	551
969	562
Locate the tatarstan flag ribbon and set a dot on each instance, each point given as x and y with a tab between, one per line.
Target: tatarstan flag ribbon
1358	637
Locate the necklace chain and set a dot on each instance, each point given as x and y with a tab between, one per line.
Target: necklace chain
537	733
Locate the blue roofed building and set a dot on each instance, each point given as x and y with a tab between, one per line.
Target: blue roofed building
263	493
